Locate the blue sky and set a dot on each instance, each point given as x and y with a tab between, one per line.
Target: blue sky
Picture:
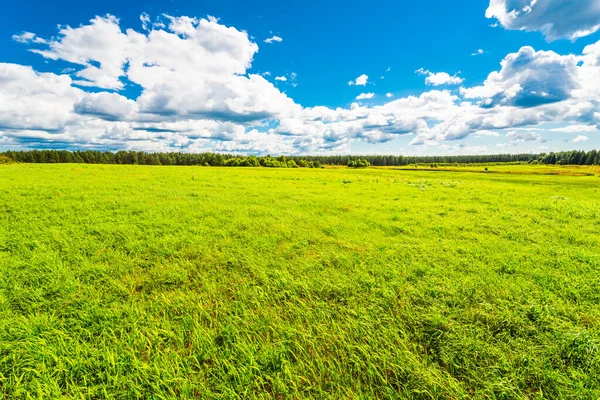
112	84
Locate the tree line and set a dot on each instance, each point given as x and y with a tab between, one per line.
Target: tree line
574	157
143	158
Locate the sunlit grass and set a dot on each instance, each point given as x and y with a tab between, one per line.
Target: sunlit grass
201	282
518	169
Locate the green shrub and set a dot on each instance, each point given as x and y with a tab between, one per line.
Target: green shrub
360	163
6	160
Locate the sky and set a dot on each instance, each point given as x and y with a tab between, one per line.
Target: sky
432	77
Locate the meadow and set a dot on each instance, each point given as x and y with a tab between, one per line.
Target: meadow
125	281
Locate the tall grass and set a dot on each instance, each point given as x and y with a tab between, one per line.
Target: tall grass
192	282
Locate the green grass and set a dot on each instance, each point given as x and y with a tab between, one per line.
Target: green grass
519	169
195	282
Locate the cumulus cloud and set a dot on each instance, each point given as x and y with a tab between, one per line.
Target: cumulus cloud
101	48
531	88
104	50
580	139
194	69
478	52
364	96
274	39
528	79
28	37
337	127
439	78
108	106
520	136
198	94
556	19
35	101
360	81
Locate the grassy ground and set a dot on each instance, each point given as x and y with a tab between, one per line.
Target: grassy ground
196	282
524	169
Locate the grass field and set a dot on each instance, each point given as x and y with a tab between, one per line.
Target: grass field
200	282
523	169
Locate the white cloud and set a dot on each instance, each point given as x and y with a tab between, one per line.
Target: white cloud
28	37
293	77
197	95
389	95
528	79
35	101
556	19
109	106
575	129
531	88
360	81
145	19
103	50
580	139
281	78
527	136
274	39
439	78
487	133
364	96
184	26
195	69
518	137
478	52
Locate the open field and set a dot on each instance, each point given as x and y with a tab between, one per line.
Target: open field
200	282
519	169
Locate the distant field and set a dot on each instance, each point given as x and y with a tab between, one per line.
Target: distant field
523	169
205	282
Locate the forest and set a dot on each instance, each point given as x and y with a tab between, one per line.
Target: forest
573	157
